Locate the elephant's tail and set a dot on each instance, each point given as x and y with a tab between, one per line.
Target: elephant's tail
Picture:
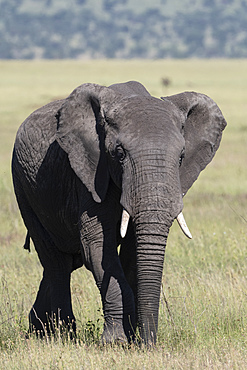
27	242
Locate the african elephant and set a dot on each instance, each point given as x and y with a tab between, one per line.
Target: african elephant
78	164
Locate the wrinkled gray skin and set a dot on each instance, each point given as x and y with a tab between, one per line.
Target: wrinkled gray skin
77	162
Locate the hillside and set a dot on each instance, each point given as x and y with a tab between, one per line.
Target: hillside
50	29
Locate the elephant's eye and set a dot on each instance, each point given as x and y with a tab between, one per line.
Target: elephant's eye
117	153
120	153
181	158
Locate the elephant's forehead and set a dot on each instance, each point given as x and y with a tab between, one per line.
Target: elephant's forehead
153	134
147	113
159	125
158	139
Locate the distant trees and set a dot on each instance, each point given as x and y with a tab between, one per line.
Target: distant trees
117	28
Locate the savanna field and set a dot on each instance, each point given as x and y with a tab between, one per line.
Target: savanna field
203	309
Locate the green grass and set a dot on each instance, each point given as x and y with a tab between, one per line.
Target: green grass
203	310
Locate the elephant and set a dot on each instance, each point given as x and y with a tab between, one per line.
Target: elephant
99	178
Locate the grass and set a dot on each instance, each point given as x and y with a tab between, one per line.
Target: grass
203	310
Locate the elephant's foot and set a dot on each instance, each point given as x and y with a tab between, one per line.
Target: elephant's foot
65	327
114	334
39	324
49	324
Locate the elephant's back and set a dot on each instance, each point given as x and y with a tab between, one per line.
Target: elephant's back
35	136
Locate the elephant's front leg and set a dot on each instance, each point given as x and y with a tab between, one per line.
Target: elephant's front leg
128	260
118	303
100	250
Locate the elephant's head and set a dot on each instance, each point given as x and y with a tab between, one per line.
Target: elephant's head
153	150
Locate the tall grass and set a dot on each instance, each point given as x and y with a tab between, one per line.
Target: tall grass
203	310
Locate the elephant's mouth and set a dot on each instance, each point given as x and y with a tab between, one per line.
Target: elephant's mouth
180	219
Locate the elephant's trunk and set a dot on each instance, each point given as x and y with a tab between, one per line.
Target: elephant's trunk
154	201
153	219
151	237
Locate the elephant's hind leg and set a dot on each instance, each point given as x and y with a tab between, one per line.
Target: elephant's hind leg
53	302
52	306
39	316
52	309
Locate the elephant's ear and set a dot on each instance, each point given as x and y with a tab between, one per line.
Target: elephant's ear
80	133
203	126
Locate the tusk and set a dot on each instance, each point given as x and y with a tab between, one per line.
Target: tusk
182	224
124	223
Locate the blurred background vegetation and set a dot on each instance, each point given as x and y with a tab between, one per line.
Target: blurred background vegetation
35	29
